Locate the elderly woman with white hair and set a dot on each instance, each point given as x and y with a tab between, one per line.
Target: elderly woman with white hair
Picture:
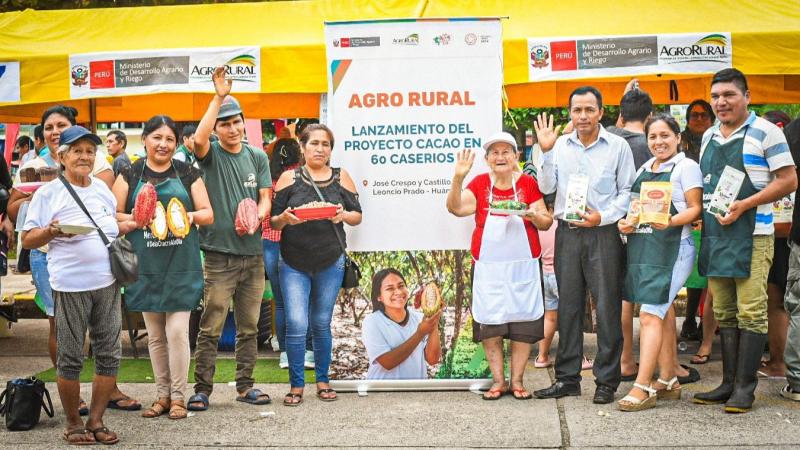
85	292
506	292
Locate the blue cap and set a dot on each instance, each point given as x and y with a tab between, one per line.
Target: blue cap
75	132
230	107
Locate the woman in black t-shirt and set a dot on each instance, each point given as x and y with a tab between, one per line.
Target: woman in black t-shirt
312	259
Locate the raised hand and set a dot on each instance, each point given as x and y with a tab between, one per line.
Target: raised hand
546	132
464	160
222	84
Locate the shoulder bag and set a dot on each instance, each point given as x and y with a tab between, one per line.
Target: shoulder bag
22	403
124	262
352	274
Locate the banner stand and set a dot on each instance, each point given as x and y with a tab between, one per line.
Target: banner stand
365	386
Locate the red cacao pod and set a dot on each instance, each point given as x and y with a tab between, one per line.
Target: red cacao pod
144	206
246	221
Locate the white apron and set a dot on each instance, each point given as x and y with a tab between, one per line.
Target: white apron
506	286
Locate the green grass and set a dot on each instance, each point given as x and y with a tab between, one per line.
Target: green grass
140	371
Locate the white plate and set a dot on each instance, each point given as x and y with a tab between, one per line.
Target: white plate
75	229
508	212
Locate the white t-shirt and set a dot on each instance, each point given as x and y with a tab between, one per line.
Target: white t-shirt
381	335
685	175
79	263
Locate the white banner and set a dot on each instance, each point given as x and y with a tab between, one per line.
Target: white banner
171	70
403	98
588	57
9	81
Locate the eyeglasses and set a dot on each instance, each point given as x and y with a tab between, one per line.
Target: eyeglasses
698	115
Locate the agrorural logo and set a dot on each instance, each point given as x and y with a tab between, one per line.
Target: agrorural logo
240	68
442	39
712	47
411	39
471	39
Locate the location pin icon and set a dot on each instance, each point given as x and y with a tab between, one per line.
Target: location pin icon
365	183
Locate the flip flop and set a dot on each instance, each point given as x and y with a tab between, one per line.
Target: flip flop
75	432
496	390
114	404
200	397
253	397
107	432
699	359
327	391
542	364
524	394
290	397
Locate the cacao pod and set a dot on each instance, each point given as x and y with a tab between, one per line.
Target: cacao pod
159	225
431	300
177	219
144	206
247	217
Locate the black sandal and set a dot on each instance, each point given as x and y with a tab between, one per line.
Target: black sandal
288	399
327	391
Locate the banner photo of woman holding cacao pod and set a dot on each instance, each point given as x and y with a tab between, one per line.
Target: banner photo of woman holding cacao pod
403	101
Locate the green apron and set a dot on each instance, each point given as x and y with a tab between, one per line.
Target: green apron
726	251
695	280
651	253
170	272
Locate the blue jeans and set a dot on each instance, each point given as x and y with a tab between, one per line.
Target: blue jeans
41	279
272	253
309	300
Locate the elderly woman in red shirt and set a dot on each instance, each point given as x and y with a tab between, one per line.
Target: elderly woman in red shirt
506	292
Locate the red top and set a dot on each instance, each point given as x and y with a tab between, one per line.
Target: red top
267	232
527	191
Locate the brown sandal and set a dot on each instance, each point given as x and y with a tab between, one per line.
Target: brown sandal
159	407
111	437
177	410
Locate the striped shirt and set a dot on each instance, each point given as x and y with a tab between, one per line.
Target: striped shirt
765	150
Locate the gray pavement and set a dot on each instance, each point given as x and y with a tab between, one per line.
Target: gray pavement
420	419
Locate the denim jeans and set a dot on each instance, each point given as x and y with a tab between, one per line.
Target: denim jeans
272	253
41	279
309	300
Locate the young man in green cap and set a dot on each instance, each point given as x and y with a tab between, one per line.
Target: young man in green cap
234	266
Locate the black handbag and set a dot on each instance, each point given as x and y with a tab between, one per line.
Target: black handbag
352	273
22	403
124	262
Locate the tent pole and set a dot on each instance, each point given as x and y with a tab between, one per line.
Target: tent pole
93	115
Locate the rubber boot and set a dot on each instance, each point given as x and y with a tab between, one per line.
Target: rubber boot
751	347
729	338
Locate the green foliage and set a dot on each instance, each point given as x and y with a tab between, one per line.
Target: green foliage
141	371
465	359
792	110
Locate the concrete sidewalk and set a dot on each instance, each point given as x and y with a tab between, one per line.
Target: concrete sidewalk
424	420
416	419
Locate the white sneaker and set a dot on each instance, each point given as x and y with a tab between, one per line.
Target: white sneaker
791	394
308	362
283	362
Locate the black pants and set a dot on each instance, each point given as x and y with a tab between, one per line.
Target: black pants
590	258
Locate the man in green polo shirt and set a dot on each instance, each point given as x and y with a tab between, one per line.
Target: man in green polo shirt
234	265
